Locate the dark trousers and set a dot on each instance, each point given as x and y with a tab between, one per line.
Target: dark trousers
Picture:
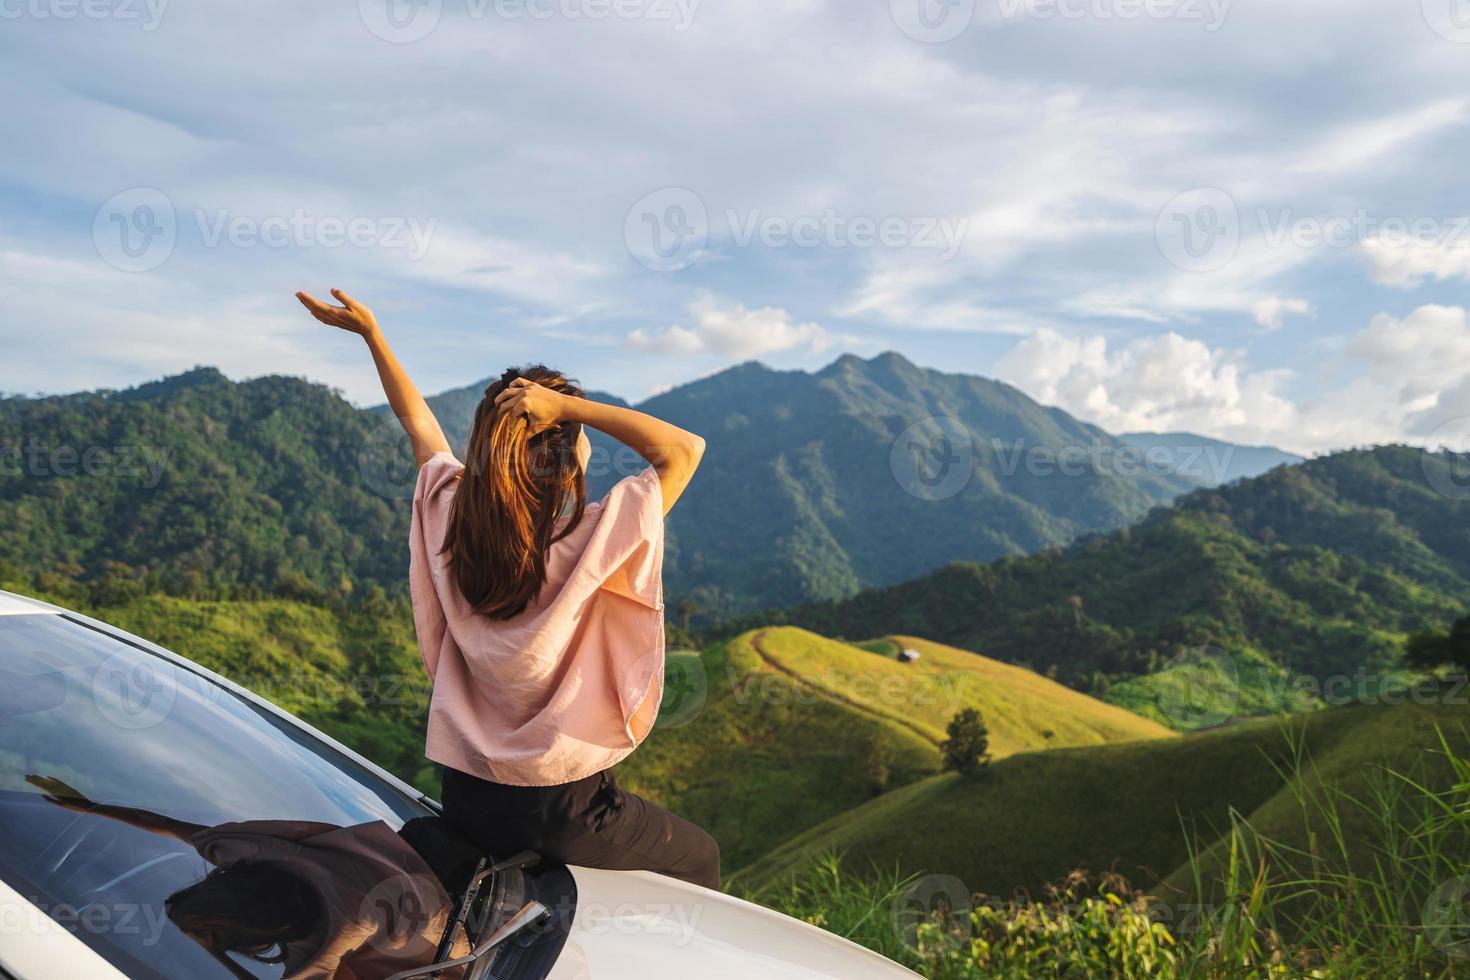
593	823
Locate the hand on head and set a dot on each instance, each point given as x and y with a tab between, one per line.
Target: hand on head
541	407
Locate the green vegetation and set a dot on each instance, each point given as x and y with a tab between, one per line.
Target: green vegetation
1024	712
1431	649
349	668
796	729
1334	877
1120	808
1315	570
967	749
200	487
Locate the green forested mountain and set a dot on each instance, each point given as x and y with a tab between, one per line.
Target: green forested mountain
197	485
1320	568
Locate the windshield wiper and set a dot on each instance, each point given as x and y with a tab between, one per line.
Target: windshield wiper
483	874
530	914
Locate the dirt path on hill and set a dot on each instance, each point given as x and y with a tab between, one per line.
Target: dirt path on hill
757	643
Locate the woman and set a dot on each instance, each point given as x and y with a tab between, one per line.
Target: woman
540	615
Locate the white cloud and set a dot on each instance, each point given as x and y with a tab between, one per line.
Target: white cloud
1352	145
1408	377
1407	264
1272	311
734	331
1419	355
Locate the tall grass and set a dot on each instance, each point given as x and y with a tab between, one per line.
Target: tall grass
1369	878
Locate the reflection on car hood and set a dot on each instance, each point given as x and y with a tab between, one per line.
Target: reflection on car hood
634	924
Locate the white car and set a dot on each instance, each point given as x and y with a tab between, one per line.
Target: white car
157	820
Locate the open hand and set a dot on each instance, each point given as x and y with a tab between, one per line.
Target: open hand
351	316
540	407
60	793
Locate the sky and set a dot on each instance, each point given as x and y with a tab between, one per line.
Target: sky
1245	219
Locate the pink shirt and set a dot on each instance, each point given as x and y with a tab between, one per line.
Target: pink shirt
572	684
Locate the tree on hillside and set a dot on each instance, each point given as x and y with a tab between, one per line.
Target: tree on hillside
967	750
1431	649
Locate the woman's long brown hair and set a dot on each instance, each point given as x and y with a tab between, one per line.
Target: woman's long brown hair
513	493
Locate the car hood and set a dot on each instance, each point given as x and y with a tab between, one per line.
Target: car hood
635	924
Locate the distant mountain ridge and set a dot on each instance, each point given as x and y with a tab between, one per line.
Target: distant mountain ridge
1210	462
803	493
816	484
1321	568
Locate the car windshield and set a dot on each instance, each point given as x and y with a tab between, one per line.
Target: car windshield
182	831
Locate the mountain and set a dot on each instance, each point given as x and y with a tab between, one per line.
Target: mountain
1320	568
200	485
814	486
870	472
1208	462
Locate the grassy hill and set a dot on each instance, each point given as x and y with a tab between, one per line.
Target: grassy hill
1130	808
1318	569
1023	711
793	729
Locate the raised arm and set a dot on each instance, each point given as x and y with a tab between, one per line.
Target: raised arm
673	453
412	411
